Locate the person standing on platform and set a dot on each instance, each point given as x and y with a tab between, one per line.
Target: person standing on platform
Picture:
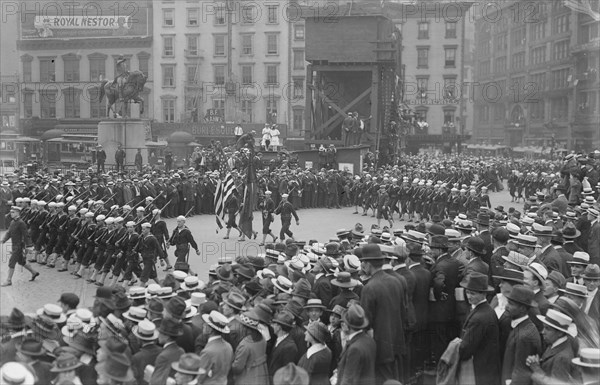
120	158
100	158
238	131
17	232
286	210
138	160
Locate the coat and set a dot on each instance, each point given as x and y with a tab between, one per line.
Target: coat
216	358
593	243
421	296
317	366
523	341
162	365
411	282
594	311
357	363
480	341
551	259
542	302
556	362
146	356
386	315
249	365
282	354
445	278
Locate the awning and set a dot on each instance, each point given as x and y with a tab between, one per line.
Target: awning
160	143
25	139
82	137
193	144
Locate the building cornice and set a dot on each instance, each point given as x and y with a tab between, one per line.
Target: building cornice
108	43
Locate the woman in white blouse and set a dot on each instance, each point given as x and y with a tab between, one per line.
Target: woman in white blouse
275	138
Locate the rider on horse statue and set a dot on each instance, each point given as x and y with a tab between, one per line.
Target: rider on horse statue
122	75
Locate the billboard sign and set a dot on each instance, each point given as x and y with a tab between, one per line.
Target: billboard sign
88	19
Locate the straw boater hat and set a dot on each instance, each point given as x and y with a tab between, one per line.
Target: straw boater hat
16	373
559	321
588	357
145	330
217	321
54	312
575	289
580	258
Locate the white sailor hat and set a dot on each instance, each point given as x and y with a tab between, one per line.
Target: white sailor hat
41	203
146	225
89	214
156	211
26	200
98	203
52	204
72	208
19	200
126	207
60	204
58	197
181	218
109	220
100	217
118	219
130	224
83	211
140	209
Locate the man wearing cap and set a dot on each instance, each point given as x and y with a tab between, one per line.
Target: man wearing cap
5	198
168	332
17	232
285	349
286	210
146	333
182	239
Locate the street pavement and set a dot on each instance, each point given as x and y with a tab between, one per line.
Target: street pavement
317	224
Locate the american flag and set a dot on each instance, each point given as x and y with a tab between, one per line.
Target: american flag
224	190
223	163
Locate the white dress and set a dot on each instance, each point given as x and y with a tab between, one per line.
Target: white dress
266	135
275	137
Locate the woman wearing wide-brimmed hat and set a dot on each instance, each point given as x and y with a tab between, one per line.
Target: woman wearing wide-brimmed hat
250	358
65	369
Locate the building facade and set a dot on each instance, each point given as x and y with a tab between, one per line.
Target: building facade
537	70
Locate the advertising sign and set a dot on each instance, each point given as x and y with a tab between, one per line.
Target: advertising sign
87	19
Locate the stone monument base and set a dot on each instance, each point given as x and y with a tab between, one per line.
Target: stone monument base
129	133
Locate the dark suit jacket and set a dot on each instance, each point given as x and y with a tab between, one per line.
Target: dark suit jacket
411	283
542	302
357	363
594	312
146	356
497	264
421	296
386	314
480	341
42	372
478	265
593	243
565	257
551	259
556	362
216	359
282	354
523	341
489	246
445	278
162	365
186	340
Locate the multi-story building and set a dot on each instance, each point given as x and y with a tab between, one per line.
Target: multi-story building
65	51
536	67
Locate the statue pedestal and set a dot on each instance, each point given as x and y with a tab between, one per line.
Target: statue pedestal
129	133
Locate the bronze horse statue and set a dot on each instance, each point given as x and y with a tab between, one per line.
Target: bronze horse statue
132	86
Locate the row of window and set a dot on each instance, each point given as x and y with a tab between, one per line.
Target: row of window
423	30
249	14
72	68
423	57
448	114
560	21
530	89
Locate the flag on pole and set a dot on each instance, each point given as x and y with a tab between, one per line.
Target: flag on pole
249	199
224	190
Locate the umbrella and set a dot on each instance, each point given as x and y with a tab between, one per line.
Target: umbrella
161	143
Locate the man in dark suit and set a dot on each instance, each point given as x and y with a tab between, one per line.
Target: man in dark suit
146	333
475	252
593	244
32	354
500	238
419	336
480	334
483	226
168	332
357	363
524	339
386	314
217	355
535	276
548	254
591	279
285	349
557	242
555	364
442	309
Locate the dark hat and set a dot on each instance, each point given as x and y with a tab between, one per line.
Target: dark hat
439	242
476	281
522	294
45	327
117	367
501	234
69	299
302	288
332	248
436	229
569	231
483	219
294	307
245	271
235	300
592	272
224	272
318	331
344	279
355	317
31	347
171	327
476	245
82	342
176	307
65	363
121	301
511	275
371	252
155	306
189	363
264	313
16	320
414	249
284	318
558	279
291	375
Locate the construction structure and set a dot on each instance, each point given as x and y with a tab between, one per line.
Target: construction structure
354	66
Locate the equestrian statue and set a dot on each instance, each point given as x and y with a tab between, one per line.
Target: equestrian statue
126	88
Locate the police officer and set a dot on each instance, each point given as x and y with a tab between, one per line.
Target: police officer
17	232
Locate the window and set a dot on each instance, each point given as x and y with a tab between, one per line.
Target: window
168	75
298	31
538	55
272	14
518	37
450	29
422	57
247	108
97	68
449	116
72	101
298	59
220	16
538	30
560	78
168	17
219	106
71	67
484	68
192	17
586	103
192	45
298	120
421	113
518	60
48	104
97	109
559	108
536	110
422	87
500	64
484	115
28	104
499	112
538	82
271	110
272	46
588	32
501	43
47	72
272	74
219	74
560	50
298	92
450	57
485	46
450	89
561	24
190	74
247	77
27	71
249	14
501	86
220	45
423	30
168	110
247	44
168	46
144	63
